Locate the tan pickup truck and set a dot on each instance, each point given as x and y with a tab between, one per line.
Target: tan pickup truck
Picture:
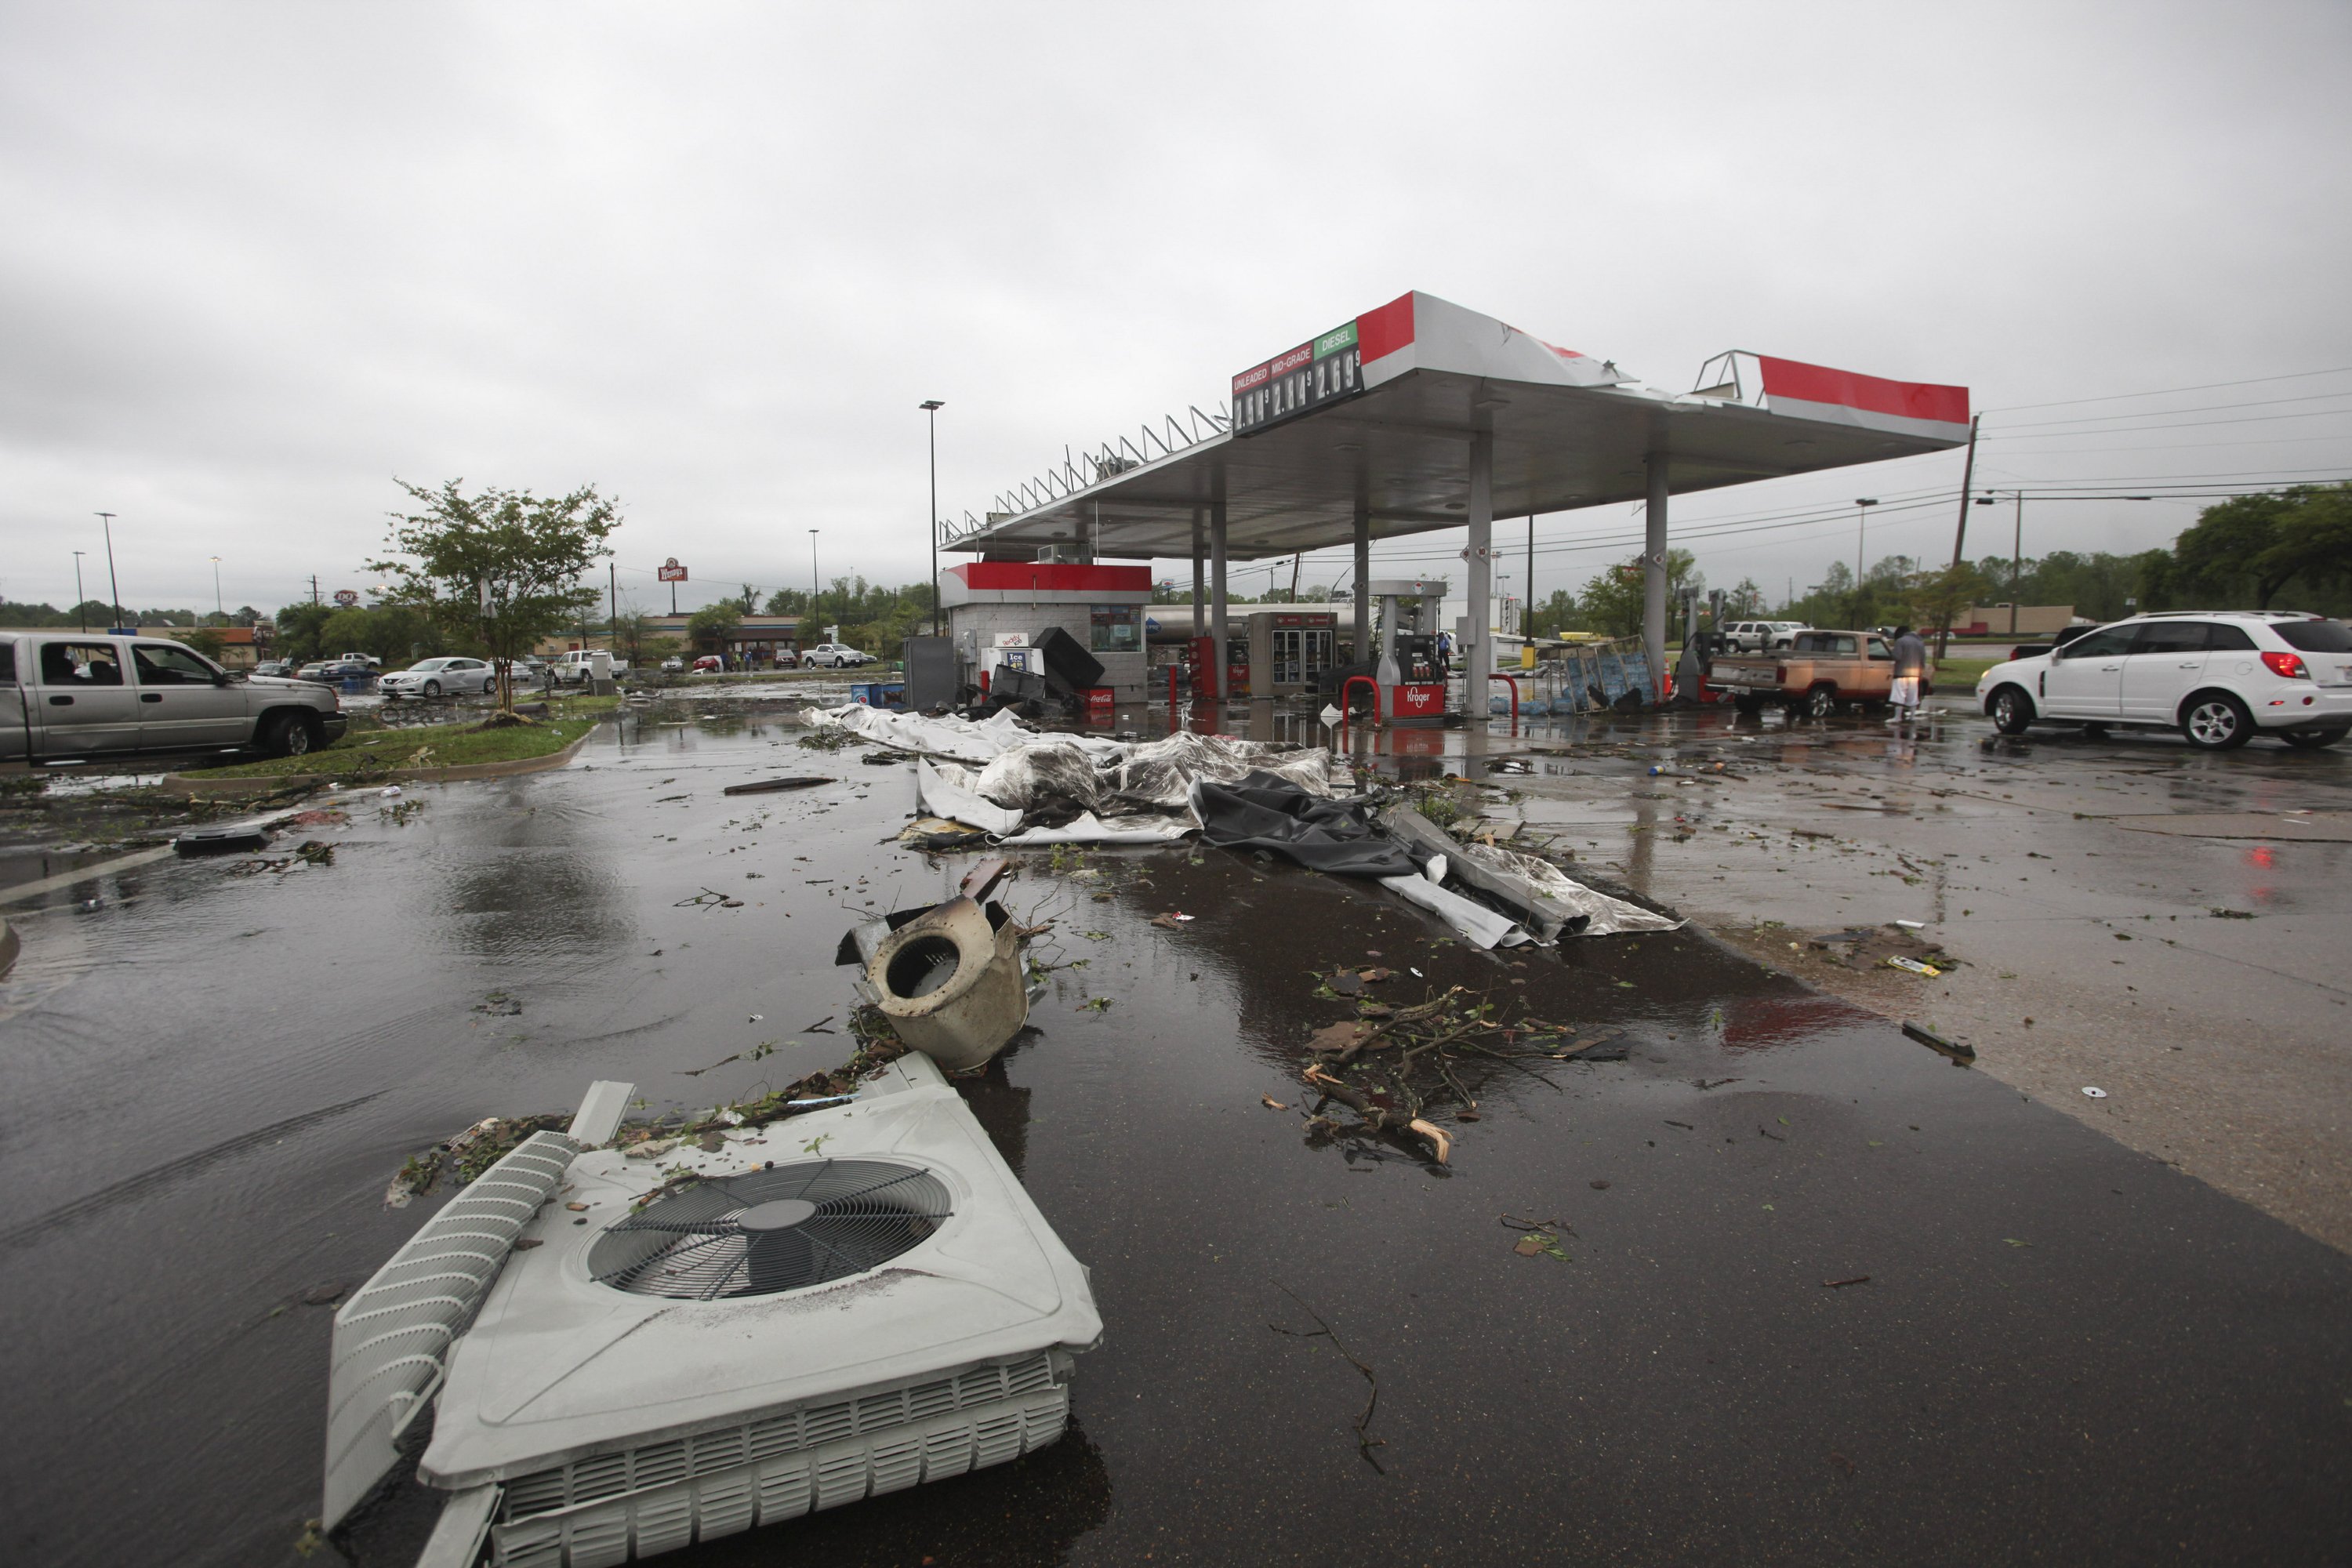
1817	673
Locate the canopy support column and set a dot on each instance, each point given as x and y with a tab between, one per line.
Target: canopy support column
1363	651
1478	649
1653	577
1200	585
1217	598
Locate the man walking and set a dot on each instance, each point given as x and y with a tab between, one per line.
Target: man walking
1910	674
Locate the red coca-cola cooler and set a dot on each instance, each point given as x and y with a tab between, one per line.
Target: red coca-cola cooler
1101	706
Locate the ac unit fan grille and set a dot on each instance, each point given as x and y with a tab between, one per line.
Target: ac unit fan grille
782	1229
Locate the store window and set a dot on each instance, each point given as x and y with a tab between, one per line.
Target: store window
1117	628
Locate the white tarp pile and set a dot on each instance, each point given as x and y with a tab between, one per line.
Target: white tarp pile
959	740
998	775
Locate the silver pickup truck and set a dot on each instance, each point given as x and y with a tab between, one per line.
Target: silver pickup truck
78	694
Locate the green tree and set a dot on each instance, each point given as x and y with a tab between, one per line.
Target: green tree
298	626
709	628
206	640
1613	600
2233	550
1555	615
1933	599
2314	538
1744	602
500	567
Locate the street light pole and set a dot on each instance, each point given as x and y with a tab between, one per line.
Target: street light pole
932	406
812	610
2017	541
78	599
1862	505
219	608
113	587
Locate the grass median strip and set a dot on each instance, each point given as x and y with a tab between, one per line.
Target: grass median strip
363	752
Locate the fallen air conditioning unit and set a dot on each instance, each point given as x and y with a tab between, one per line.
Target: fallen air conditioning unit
623	1360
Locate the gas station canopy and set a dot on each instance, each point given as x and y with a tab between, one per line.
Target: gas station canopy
1375	420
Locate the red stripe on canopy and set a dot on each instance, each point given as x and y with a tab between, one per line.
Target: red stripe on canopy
1875	395
1382	331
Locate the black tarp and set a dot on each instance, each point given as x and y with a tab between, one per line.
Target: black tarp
1264	812
1067	661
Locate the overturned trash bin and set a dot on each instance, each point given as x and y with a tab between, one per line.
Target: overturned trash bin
950	982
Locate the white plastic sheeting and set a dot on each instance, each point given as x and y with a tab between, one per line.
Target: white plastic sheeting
953	799
994	773
1473	920
1088	828
1608	916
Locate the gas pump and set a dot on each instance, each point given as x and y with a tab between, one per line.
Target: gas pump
1412	684
1199	654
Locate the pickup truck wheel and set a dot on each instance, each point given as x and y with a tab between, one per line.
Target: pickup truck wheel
1821	701
2012	710
2216	722
287	735
432	689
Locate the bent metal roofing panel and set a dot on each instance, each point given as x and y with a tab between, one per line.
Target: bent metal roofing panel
1376	416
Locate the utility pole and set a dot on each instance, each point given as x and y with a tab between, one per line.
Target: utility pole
613	606
113	587
80	600
314	587
2016	562
930	407
217	608
1959	538
813	610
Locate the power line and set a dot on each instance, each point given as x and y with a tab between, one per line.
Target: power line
2193	408
2183	425
2169	391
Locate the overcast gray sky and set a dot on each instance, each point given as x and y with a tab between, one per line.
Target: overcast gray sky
256	260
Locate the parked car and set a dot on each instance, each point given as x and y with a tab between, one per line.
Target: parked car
2218	677
71	694
448	675
1818	671
529	669
709	663
835	656
1759	637
574	667
368	659
672	665
283	668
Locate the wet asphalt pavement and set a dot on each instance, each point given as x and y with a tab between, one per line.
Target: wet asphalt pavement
2065	1350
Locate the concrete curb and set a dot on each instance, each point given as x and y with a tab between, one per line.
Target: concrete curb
183	785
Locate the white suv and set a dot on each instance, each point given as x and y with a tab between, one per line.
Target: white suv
2219	676
1761	636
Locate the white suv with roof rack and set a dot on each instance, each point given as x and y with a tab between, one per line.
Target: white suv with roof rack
2218	677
